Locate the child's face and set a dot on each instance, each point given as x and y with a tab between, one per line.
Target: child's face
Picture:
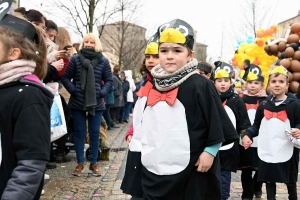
238	90
173	56
151	61
222	84
278	85
253	87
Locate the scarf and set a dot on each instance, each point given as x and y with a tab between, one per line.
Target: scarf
226	95
165	81
14	70
261	93
89	59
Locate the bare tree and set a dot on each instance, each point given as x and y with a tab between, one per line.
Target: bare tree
83	15
125	38
257	14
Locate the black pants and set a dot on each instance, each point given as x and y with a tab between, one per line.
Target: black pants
107	116
271	190
249	184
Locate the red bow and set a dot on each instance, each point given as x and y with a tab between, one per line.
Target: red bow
224	103
252	106
144	90
279	115
154	97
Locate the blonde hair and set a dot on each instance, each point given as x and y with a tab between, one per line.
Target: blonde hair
62	38
95	38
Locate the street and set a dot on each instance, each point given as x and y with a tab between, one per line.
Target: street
63	185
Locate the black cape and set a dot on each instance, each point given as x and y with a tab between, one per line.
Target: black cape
208	124
284	172
230	158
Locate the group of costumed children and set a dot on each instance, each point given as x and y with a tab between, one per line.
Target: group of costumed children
189	133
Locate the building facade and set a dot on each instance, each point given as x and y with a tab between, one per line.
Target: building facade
125	40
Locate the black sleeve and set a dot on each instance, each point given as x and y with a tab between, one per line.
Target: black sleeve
298	93
25	180
243	121
31	138
52	75
297	115
217	120
253	130
116	87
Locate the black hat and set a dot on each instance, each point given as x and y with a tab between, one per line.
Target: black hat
204	67
255	74
223	70
16	24
177	31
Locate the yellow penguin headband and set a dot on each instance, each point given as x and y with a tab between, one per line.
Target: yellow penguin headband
222	74
152	46
279	69
253	77
177	31
223	70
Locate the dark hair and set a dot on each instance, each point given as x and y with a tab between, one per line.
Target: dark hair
143	68
51	25
32	15
247	62
117	68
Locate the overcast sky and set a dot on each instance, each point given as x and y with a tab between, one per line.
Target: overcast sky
212	18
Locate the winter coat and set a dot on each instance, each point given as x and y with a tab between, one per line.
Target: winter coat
118	91
132	88
102	73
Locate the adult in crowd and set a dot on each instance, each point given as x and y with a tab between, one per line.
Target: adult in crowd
83	79
246	67
126	87
130	99
118	95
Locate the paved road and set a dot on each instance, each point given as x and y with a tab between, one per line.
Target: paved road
63	185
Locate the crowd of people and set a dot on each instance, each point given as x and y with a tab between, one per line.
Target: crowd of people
193	124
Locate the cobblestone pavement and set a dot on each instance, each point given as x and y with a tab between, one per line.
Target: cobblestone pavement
63	185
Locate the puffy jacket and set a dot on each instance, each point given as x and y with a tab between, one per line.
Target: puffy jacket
102	73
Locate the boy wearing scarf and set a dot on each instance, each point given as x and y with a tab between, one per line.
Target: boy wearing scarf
236	110
183	124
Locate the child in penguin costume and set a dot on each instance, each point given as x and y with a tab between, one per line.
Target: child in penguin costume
132	181
24	108
252	97
181	126
278	159
236	110
238	86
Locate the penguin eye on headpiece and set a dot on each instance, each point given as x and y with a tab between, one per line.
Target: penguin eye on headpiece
255	71
227	69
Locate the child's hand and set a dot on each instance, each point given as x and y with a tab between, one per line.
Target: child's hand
128	139
204	162
246	142
295	132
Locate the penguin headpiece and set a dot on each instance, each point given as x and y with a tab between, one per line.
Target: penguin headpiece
238	83
152	45
15	24
223	70
255	73
279	69
177	31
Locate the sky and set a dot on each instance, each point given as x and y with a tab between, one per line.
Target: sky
213	19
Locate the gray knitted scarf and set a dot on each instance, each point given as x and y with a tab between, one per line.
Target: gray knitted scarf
165	81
